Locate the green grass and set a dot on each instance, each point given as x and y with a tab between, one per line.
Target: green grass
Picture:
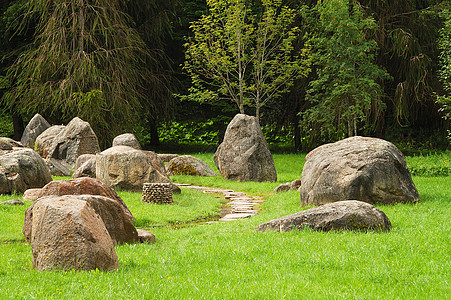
430	165
232	261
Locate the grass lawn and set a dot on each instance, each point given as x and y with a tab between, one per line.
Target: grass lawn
232	261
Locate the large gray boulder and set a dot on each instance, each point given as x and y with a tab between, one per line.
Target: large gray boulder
44	141
117	223
244	154
67	233
127	168
76	139
34	128
127	139
341	215
361	168
21	170
189	165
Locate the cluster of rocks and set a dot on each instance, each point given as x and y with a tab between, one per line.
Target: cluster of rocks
345	178
159	193
74	224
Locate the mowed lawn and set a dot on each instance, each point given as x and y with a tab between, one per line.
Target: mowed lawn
195	260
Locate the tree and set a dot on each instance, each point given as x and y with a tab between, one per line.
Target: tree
346	95
86	60
406	35
445	72
243	55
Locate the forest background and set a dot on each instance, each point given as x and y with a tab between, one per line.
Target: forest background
122	66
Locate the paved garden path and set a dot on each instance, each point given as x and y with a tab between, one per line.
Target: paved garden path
238	206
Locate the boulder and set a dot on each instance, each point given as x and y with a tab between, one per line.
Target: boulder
127	139
67	233
82	159
167	157
87	169
341	215
21	170
45	140
58	167
295	184
283	187
146	236
31	194
76	139
189	165
84	186
9	144
119	226
12	202
361	168
128	169
244	154
34	128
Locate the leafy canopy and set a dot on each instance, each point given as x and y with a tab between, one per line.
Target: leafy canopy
245	55
346	93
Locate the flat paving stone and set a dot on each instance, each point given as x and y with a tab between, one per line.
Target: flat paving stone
240	205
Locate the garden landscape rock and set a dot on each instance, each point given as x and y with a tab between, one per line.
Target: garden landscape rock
146	236
167	157
361	168
76	139
8	145
67	233
126	168
127	139
58	167
85	166
341	215
31	194
21	170
84	186
118	225
44	141
34	128
189	165
288	186
12	202
244	154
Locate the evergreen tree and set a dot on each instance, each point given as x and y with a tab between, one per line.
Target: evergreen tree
346	95
86	60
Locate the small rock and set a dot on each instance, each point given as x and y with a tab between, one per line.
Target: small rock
127	139
283	187
296	184
146	236
189	165
12	202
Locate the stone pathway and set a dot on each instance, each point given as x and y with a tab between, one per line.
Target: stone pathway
238	206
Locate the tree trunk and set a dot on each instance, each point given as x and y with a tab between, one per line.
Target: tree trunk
297	133
154	138
18	126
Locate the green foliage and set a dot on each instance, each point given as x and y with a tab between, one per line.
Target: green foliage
78	48
431	165
6	125
245	56
346	96
445	72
